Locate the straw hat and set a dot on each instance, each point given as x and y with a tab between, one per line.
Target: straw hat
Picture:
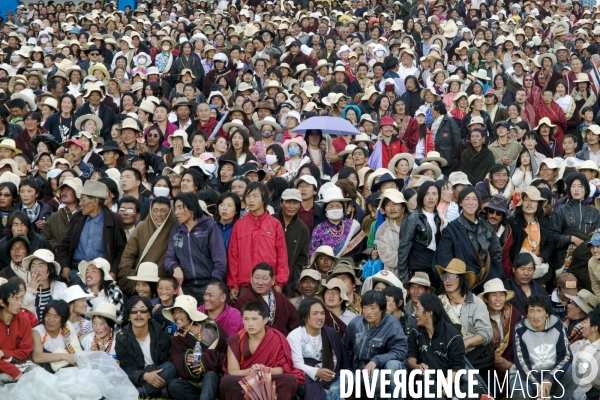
495	285
419	278
9	144
585	300
146	272
75	292
457	267
310	88
273	84
41	254
187	304
99	263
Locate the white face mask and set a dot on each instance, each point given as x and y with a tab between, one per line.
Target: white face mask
335	215
161	191
166	47
14	59
141	61
271	159
210	168
44	40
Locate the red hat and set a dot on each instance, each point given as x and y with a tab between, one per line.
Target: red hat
387	121
490	92
75	142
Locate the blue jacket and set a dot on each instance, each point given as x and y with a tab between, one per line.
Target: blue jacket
381	343
200	252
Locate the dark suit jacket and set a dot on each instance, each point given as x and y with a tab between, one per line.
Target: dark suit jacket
107	116
113	236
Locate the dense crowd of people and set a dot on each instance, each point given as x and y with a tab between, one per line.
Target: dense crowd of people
161	202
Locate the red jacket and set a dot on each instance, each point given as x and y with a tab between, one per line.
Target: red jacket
388	152
255	240
210	126
18	344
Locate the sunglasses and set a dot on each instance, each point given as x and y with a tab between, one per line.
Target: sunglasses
94	54
494	212
445	277
142	311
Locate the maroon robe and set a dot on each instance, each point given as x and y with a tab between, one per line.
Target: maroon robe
528	115
556	116
273	351
335	323
285	319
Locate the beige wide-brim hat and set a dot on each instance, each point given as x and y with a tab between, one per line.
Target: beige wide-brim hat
435	156
533	194
546	121
9	144
41	254
106	310
371	90
75	292
377	173
394	196
322	250
437	72
495	285
130	123
362	138
179	133
73	183
335	283
419	278
410	159
269	121
187	304
86	117
425	167
99	263
310	88
146	272
50	102
458	267
585	300
147	106
94	189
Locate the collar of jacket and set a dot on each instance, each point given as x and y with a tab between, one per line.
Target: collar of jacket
282	220
259	218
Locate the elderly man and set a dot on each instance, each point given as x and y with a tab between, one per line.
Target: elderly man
282	314
94	105
58	222
497	212
296	236
95	232
216	306
578	309
531	230
307	286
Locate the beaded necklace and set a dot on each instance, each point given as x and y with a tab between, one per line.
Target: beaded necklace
336	233
106	344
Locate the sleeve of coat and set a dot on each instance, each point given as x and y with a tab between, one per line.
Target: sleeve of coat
411	135
127	266
218	254
407	235
62	250
282	272
171	260
233	259
121	241
126	361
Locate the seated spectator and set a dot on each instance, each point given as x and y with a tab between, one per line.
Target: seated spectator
374	326
467	312
477	159
54	340
105	323
37	211
44	285
323	261
17	249
394	207
216	306
522	283
282	314
496	212
588	346
58	222
435	343
566	283
418	285
317	351
148	242
19	224
307	286
503	317
594	263
337	315
76	298
541	344
166	289
146	280
257	346
580	306
380	281
143	350
344	270
198	378
99	283
16	342
395	307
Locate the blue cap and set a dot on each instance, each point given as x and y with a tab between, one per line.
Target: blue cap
595	240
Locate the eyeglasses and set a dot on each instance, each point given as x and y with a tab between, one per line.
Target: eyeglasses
94	54
174	176
445	277
141	311
127	210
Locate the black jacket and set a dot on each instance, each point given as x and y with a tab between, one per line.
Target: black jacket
518	224
44	214
447	137
36	242
107	115
487	121
193	63
113	236
415	234
444	351
573	214
297	239
130	353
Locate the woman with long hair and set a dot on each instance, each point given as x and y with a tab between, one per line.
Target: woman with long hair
239	151
505	96
61	124
425	144
523	170
381	108
98	282
534	93
229	209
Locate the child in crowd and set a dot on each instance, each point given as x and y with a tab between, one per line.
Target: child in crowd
167	288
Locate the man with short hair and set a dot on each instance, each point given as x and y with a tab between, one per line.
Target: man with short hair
375	326
58	222
548	170
94	105
307	285
111	153
390	143
591	135
95	232
505	149
130	182
282	314
216	306
129	210
296	236
542	354
75	157
522	282
310	212
578	309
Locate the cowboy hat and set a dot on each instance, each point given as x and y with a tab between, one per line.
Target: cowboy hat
321	64
434	156
432	90
73	183
457	267
533	194
385	178
347	150
545	121
235	123
41	254
394	195
79	122
338	284
50	102
495	285
146	272
419	278
106	310
310	88
322	251
187	304
130	123
362	138
481	74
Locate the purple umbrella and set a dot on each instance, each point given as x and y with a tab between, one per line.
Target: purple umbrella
328	125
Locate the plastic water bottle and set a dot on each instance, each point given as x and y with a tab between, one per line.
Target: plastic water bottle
197	353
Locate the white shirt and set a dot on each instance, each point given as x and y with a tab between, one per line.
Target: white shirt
347	316
301	347
595	157
50	344
431	222
97	300
129	232
420	149
145	346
